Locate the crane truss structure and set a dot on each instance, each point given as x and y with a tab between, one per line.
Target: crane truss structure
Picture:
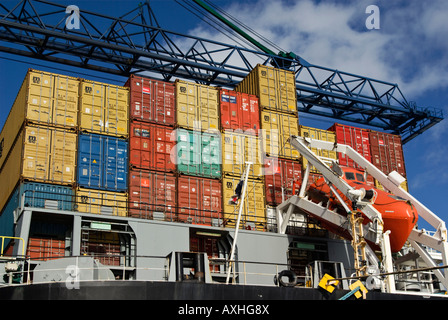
135	44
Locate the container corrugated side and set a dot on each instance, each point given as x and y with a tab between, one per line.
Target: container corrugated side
199	201
40	154
387	152
198	153
102	162
237	149
151	146
102	202
323	135
276	128
152	195
274	87
40	248
197	106
279	175
254	213
152	100
404	185
103	108
44	98
239	111
357	138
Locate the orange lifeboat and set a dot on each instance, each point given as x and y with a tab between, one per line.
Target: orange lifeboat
399	215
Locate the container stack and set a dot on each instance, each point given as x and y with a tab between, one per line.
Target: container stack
276	91
152	179
38	145
241	144
169	151
198	154
102	164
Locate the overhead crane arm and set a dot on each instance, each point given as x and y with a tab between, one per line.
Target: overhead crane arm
134	43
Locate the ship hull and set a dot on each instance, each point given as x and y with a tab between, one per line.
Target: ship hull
182	291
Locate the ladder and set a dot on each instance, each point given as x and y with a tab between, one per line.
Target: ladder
419	239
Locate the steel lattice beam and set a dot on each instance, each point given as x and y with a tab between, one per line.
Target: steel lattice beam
134	43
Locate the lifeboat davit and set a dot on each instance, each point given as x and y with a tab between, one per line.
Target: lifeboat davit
399	215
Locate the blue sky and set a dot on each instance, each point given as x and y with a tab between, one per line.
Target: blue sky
410	49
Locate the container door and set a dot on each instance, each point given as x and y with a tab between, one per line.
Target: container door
115	164
164	102
36	153
92	101
270	125
267	86
162	146
116	111
63	157
90	161
65	105
40	94
289	126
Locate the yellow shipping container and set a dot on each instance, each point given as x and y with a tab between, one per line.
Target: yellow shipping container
237	149
403	185
102	202
254	214
323	135
103	108
44	98
276	128
197	106
276	88
40	154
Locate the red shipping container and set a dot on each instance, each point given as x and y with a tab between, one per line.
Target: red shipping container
150	146
279	175
152	100
239	111
199	200
45	248
357	138
387	152
152	195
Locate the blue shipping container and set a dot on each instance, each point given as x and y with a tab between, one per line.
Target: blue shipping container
102	162
37	195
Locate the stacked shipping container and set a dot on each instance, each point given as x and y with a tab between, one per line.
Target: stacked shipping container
152	181
187	145
276	91
198	154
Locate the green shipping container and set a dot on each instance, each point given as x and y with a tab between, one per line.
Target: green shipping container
198	153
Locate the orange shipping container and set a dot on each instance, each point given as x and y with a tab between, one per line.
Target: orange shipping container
150	146
152	195
152	100
279	176
199	200
387	152
239	111
357	138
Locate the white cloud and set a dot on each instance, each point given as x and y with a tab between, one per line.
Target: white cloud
330	34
